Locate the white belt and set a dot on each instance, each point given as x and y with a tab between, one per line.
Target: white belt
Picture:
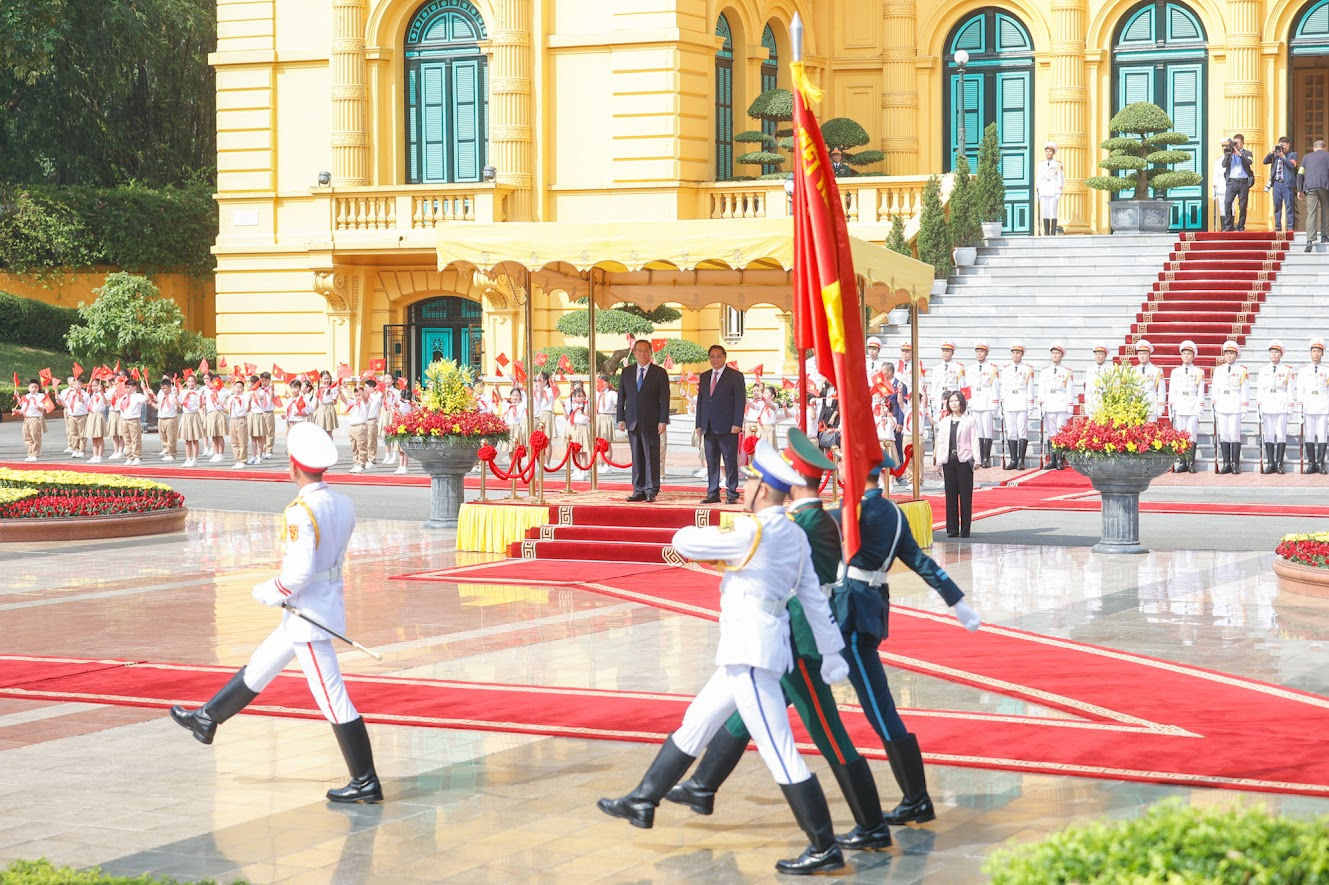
329	575
828	589
871	578
773	607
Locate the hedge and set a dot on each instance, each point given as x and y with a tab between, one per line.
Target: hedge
132	227
32	323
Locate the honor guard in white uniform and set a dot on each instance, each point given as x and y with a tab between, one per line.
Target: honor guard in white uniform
1017	398
947	377
1313	394
1229	393
1155	385
1278	385
904	370
1185	401
316	528
1055	386
873	359
1051	180
984	395
766	560
1096	370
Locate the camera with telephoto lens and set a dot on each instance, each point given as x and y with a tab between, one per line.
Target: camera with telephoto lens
1227	146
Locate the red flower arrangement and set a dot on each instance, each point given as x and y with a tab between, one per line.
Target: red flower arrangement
1312	549
1084	436
470	425
57	505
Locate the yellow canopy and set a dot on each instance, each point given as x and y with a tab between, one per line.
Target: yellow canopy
693	263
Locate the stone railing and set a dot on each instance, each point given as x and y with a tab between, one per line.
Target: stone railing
411	211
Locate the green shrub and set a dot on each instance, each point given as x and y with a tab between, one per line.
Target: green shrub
681	351
577	323
964	227
1174	844
131	323
1139	149
934	238
895	241
991	187
34	323
43	872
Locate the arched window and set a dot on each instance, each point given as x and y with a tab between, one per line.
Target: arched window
1159	56
770	74
447	94
1308	108
724	103
997	86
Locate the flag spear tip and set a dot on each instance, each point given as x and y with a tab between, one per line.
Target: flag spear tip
796	36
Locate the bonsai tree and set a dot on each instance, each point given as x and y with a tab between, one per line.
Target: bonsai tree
895	240
965	229
1139	151
934	237
844	133
990	187
775	106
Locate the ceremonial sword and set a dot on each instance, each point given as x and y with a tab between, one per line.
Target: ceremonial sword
300	613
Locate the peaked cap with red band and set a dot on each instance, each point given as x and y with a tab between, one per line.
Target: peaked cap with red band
310	447
804	455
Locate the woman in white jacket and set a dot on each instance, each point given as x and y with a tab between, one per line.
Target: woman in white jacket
953	453
1051	180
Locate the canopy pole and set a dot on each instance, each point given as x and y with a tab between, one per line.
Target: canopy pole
915	378
536	487
593	376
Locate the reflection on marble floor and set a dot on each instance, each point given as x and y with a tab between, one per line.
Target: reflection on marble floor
125	788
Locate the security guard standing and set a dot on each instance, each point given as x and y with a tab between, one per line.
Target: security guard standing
1229	392
803	685
1054	399
316	529
1017	398
1185	400
1277	386
1313	394
985	393
862	608
766	561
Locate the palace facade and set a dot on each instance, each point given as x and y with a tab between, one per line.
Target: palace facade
355	135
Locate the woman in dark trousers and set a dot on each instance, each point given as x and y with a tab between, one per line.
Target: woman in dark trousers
828	422
953	451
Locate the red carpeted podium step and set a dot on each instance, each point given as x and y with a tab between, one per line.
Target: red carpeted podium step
643	515
599	551
605	534
611	532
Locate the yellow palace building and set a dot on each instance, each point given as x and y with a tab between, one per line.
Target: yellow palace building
358	138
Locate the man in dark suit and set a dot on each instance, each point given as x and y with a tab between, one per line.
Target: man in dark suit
1239	175
643	411
721	398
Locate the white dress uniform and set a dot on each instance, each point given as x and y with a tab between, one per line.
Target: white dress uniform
948	376
1277	383
984	394
1229	392
1054	398
1095	371
1051	180
1017	397
1185	398
1313	394
1155	388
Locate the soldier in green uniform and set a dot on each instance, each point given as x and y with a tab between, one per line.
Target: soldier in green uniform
803	686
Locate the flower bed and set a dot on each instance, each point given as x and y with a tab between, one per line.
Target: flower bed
55	494
1311	549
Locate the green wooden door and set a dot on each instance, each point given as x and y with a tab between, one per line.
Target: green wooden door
435	344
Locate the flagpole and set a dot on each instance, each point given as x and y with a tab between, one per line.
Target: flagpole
593	378
796	42
915	378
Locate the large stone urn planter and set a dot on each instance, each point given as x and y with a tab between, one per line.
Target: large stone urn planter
1120	479
447	462
1304	580
1140	216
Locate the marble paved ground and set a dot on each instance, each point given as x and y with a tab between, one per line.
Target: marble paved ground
127	789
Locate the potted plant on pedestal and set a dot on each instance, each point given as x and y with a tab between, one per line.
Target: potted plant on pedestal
1138	149
1121	452
1302	564
934	239
965	231
444	434
989	184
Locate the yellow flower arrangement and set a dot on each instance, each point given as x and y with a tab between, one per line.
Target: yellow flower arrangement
10	478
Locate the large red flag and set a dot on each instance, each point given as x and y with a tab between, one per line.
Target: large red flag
828	316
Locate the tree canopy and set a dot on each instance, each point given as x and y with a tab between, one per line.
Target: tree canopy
132	323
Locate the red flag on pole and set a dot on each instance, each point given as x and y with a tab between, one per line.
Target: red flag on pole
203	366
45	376
669	363
502	360
828	315
789	384
564	364
16	380
343	371
657	344
541	358
77	370
379	365
519	372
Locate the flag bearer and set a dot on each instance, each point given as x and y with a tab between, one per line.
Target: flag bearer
1313	394
1185	401
1278	384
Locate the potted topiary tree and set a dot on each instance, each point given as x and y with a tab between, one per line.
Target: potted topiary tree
844	133
774	106
934	239
963	224
989	184
1139	151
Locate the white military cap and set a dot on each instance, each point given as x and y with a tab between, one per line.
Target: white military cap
1317	341
1018	346
1050	144
1101	346
1232	346
1057	345
948	344
1143	344
1188	344
980	345
1276	345
310	447
874	341
770	467
905	345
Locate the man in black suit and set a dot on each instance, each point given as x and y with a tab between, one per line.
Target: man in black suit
721	398
1239	175
643	411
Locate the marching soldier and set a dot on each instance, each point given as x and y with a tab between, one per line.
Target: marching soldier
985	392
1229	393
803	686
1313	394
862	608
1185	400
1152	377
1100	366
1017	398
766	561
315	529
947	377
1054	398
1277	386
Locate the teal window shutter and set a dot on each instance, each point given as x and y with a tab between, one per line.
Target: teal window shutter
467	118
447	94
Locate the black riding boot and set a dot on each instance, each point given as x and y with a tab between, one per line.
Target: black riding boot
1236	457
721	758
233	697
1279	452
1010	455
1312	463
860	791
1225	451
985	452
1023	446
1270	466
353	739
907	765
814	817
638	807
1323	449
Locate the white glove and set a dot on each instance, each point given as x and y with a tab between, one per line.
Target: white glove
267	593
966	615
834	669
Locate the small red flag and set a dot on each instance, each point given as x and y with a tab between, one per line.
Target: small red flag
343	371
669	363
733	364
250	368
45	375
277	372
541	358
378	365
16	380
133	373
77	370
693	378
203	366
502	360
189	373
657	344
222	363
401	383
117	367
788	384
564	364
757	372
519	372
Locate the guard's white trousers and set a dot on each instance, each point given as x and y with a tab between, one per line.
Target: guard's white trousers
1275	427
1188	423
1229	427
1053	422
985	422
318	661
1314	428
1017	424
756	694
1047	206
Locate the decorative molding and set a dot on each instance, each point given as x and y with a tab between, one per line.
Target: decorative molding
334	286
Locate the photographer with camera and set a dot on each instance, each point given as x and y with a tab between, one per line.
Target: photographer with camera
1239	174
1282	161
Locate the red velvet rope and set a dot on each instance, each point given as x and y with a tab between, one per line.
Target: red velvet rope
602	449
561	464
488	454
574	449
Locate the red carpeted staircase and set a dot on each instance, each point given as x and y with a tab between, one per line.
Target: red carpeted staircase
611	532
1209	291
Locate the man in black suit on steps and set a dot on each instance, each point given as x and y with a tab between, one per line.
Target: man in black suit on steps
721	398
643	411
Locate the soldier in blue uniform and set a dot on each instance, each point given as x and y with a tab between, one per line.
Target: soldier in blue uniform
862	608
